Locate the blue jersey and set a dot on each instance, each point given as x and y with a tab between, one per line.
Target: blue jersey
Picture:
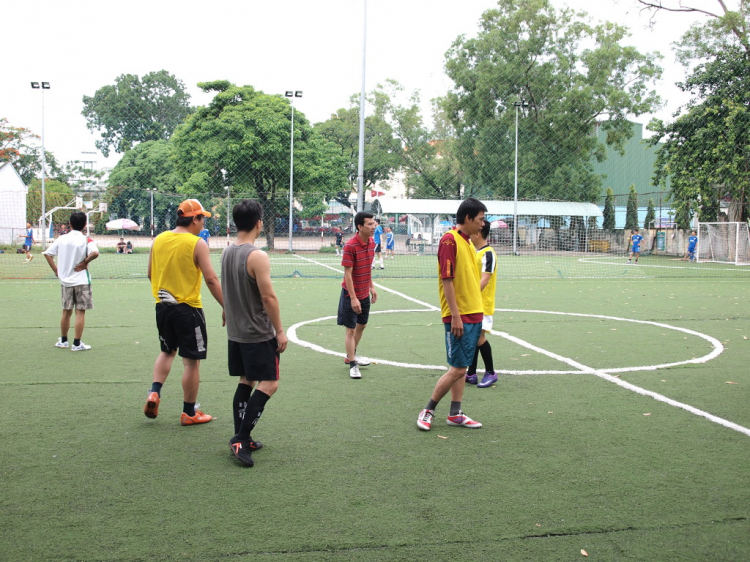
636	240
692	241
205	234
378	234
389	244
29	237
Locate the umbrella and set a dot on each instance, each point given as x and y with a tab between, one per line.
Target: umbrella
122	224
498	224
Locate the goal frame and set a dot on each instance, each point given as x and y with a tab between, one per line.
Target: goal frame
735	241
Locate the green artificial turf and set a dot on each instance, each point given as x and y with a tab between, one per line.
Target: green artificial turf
564	462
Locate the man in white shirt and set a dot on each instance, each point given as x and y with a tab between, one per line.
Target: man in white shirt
74	252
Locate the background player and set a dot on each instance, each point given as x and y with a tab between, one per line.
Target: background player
487	264
339	241
379	236
390	242
635	245
692	244
28	241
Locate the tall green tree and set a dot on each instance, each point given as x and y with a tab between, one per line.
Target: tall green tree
608	222
241	141
56	194
134	110
705	150
149	165
650	215
573	75
428	155
382	149
631	211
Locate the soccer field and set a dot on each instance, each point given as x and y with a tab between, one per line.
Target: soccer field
619	427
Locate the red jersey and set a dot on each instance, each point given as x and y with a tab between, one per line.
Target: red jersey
359	256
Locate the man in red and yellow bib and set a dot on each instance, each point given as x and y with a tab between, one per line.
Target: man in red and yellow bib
461	309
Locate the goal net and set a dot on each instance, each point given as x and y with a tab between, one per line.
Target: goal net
724	242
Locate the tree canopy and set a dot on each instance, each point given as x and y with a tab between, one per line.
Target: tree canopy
705	151
573	76
134	110
382	149
241	140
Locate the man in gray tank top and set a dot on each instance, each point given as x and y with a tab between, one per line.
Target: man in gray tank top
254	330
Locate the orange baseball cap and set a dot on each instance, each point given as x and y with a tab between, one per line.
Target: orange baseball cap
192	208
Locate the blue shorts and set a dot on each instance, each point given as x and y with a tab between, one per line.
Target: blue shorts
636	249
460	351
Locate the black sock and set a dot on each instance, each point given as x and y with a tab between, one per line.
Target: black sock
486	351
156	387
254	409
76	342
189	408
455	408
431	405
239	404
63	339
473	367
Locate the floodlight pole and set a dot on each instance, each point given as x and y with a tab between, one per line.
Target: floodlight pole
43	86
361	161
151	193
291	94
517	104
228	188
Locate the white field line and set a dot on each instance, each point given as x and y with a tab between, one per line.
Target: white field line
601	261
581	368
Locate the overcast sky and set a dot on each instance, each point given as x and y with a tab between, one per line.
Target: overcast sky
81	45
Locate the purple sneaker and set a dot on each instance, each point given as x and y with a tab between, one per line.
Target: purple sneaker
488	380
471	379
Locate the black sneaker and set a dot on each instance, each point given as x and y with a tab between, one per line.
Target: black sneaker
242	451
255	445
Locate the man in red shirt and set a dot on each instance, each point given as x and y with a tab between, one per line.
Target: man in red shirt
357	290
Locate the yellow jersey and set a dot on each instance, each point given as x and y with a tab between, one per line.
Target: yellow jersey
487	263
173	267
463	270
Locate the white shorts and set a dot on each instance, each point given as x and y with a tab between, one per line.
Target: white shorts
487	323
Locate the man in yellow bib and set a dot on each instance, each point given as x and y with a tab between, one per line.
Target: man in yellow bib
177	262
462	311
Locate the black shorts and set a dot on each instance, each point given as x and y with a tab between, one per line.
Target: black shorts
254	361
347	317
377	248
183	328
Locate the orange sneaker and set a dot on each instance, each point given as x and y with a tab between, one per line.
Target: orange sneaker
151	409
199	417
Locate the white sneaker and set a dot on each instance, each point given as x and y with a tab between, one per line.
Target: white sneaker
81	347
361	361
61	343
354	372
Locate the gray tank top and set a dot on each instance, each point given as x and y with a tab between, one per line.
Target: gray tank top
247	321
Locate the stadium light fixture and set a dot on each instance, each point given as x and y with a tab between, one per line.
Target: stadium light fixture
291	94
521	103
43	86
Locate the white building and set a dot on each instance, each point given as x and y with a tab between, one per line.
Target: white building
12	204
